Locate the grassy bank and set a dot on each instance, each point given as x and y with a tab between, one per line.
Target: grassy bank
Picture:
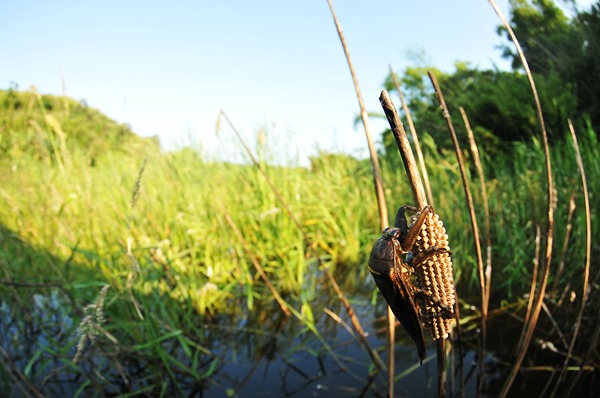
86	204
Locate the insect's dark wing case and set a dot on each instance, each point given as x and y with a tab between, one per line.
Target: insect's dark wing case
407	312
381	259
400	300
386	267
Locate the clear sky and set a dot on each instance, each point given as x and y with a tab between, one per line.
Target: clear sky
167	68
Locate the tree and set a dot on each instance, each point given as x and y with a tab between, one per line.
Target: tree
587	70
499	104
560	49
564	56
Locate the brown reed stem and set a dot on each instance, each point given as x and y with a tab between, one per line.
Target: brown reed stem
486	207
261	354
441	367
265	175
379	191
530	301
530	327
415	136
474	226
588	253
563	254
383	214
18	379
459	347
307	241
404	148
355	322
592	343
419	194
285	307
259	268
554	323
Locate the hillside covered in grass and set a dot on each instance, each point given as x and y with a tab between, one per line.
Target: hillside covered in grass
48	128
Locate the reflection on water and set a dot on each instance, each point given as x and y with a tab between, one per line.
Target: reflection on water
245	354
257	353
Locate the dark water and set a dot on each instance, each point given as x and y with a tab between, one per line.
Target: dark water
261	354
252	357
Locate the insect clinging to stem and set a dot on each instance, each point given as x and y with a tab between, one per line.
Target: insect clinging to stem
391	263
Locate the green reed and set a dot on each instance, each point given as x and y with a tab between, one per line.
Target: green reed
170	258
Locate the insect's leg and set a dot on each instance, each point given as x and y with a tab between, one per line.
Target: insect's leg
415	230
425	255
400	222
445	312
397	269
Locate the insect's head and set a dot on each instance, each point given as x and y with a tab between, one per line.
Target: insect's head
392	233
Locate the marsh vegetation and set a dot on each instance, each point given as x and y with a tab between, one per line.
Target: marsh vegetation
129	270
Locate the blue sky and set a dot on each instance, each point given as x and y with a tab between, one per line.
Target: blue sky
167	68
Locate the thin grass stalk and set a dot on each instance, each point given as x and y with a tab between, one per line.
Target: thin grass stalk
26	387
413	133
550	209
61	155
135	265
404	148
474	226
441	367
351	313
593	343
262	171
486	206
588	253
549	382
282	303
261	355
419	194
563	254
554	323
378	182
339	320
391	343
563	294
459	348
552	369
63	86
536	263
355	322
379	191
451	359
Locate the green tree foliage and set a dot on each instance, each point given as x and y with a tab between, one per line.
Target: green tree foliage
565	51
564	56
499	104
588	65
545	35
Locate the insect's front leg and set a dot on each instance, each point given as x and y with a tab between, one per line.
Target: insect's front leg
400	222
409	237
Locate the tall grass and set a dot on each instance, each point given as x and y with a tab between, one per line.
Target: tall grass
69	223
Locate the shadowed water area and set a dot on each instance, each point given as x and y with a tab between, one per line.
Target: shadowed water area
244	354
